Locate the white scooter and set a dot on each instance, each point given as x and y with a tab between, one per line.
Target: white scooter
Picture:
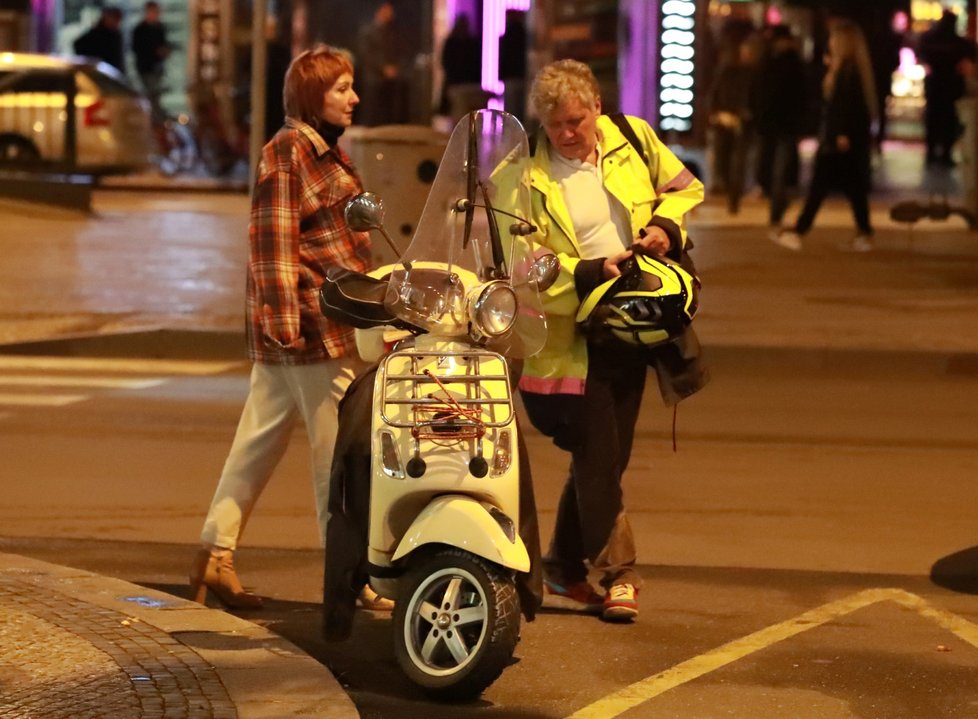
442	532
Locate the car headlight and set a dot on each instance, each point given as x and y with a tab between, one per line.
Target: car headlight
492	308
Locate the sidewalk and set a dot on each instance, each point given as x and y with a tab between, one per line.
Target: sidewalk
81	646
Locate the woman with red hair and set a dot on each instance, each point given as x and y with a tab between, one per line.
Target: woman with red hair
303	362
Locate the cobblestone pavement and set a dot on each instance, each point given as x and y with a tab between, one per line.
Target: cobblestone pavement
75	645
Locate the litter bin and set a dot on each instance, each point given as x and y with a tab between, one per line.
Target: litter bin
398	163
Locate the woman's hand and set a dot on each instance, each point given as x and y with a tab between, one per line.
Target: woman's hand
653	239
276	335
610	268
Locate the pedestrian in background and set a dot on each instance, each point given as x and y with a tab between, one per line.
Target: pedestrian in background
782	105
732	105
461	63
949	59
150	46
884	44
303	362
594	196
842	159
104	39
512	63
379	71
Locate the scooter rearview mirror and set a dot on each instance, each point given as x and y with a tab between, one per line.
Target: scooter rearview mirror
543	272
364	212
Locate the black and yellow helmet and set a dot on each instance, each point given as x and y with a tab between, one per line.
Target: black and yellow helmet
651	302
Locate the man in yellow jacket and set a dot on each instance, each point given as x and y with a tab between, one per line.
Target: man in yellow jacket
599	188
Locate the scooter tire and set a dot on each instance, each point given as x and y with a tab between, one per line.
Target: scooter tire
427	650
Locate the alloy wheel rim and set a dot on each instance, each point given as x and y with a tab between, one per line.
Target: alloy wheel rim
446	622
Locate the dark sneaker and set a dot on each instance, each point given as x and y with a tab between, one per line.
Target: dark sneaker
579	597
620	603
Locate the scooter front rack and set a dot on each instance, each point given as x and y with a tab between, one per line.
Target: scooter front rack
421	392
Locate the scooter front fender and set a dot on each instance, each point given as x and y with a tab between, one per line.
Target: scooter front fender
467	523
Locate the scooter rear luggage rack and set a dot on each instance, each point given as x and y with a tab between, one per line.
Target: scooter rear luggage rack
448	379
427	400
419	389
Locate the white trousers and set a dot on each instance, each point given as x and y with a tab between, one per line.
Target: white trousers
278	396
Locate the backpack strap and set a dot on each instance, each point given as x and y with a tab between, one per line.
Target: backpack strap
629	132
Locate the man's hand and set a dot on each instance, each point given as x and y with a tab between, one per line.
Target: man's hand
842	142
653	239
610	268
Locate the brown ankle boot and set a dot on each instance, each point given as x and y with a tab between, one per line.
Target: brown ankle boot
369	599
215	571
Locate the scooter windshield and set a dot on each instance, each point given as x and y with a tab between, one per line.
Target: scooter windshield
474	231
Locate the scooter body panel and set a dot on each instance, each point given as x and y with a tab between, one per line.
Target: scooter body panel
479	380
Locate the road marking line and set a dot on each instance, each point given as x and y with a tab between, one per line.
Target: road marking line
39	400
62	381
114	364
958	626
646	689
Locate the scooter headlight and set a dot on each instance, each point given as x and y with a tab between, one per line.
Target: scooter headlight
492	308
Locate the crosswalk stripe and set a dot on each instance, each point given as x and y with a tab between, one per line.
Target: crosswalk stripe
101	382
39	400
114	364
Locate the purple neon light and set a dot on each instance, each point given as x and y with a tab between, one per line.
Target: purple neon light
639	58
43	12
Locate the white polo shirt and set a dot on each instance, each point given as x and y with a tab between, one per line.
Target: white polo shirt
601	222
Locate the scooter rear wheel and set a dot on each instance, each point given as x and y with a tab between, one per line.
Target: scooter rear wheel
456	624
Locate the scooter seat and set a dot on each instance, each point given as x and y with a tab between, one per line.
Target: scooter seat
355	299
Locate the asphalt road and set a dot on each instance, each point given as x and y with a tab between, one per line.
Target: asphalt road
781	500
809	551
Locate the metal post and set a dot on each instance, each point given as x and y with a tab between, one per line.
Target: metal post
259	70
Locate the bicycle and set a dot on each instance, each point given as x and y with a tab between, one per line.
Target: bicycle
176	147
222	142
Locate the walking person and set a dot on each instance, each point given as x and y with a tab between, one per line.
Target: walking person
461	63
594	196
384	92
884	50
303	362
731	103
949	59
150	46
512	63
104	39
781	109
842	159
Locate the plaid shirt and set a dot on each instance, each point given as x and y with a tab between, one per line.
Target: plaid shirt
297	231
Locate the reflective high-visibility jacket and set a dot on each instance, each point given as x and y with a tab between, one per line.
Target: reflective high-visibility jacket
658	193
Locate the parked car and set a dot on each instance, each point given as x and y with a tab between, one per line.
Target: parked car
112	120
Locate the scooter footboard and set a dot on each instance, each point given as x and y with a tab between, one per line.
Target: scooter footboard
465	522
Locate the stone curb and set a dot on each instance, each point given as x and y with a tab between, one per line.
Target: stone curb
265	676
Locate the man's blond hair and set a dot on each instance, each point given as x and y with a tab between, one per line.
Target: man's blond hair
560	81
